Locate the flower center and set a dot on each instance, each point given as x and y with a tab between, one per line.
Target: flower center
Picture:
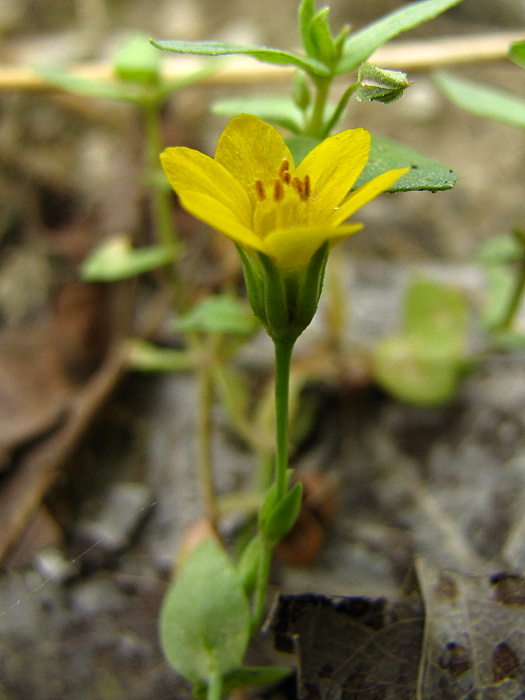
284	178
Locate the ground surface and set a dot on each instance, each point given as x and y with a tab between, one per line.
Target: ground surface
98	481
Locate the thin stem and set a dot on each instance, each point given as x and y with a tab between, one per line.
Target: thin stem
160	194
214	687
204	438
259	596
316	126
283	359
515	300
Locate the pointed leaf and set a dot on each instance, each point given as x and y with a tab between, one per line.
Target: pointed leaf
425	173
218	314
484	100
362	44
306	14
266	55
517	53
205	616
408	368
63	80
117	260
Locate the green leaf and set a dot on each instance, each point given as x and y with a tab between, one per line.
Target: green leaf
118	260
138	62
218	314
437	314
219	48
425	173
499	250
306	14
322	39
248	564
484	100
509	340
278	110
301	92
517	53
246	676
409	368
274	523
146	357
361	45
501	285
205	616
90	88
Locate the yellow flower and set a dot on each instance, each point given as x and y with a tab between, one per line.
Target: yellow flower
252	192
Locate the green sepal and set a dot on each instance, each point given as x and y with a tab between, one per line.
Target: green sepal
275	522
300	146
245	676
248	564
253	277
261	53
276	308
310	288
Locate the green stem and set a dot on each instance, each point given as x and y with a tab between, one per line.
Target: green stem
214	687
515	300
204	437
259	596
283	359
316	126
161	195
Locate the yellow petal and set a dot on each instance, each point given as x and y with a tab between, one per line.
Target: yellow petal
364	194
191	171
220	217
333	167
251	150
292	248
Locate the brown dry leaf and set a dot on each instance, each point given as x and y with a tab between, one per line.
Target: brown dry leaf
352	648
34	390
474	644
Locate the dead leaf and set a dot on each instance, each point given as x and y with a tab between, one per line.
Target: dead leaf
351	648
474	642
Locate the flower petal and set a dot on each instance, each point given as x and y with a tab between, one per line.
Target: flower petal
251	150
220	217
191	171
333	167
292	248
364	194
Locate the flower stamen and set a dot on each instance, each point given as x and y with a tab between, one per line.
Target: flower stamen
278	190
285	166
259	189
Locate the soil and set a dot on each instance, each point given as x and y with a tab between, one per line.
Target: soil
97	464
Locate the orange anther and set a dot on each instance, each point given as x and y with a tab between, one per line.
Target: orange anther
259	189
